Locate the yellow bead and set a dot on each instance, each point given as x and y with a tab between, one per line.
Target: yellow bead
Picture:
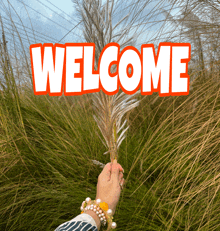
103	206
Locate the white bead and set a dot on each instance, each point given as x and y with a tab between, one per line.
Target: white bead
100	215
88	207
113	225
81	208
88	199
94	210
109	212
97	212
95	206
98	201
100	211
101	219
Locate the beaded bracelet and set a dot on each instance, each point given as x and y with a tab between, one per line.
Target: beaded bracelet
102	211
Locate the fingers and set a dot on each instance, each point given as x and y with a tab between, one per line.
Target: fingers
122	183
120	167
106	172
121	180
120	176
112	171
115	171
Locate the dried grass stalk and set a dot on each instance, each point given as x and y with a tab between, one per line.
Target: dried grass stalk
109	110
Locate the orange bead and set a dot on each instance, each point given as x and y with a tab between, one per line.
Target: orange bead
104	206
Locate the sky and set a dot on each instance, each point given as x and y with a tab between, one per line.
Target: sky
49	21
67	7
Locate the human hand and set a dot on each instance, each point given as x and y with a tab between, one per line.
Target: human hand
108	186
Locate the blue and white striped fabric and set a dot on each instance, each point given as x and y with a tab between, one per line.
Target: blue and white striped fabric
83	222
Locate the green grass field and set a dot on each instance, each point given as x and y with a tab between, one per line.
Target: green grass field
170	157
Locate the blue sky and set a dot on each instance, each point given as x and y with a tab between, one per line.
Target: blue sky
67	7
50	25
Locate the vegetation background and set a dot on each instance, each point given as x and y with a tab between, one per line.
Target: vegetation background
171	153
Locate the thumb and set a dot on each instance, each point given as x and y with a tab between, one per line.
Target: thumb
115	171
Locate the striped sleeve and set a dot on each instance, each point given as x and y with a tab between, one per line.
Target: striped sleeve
83	222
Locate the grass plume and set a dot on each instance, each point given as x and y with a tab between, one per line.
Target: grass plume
109	110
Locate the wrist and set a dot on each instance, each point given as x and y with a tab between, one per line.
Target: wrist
95	217
99	211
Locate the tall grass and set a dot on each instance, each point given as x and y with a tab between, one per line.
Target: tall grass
170	156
